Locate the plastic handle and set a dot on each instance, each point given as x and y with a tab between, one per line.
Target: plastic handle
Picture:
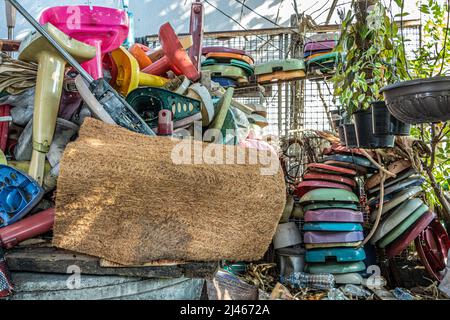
27	228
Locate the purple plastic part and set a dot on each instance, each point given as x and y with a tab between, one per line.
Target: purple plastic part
334	215
323	45
332	237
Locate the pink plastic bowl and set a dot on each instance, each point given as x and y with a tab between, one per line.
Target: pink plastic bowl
104	28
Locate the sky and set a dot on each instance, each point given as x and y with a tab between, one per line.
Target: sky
150	14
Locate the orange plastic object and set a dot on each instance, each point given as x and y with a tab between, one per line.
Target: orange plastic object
175	56
139	51
128	75
227	56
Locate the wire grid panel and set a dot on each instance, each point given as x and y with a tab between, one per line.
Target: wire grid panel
262	48
314	116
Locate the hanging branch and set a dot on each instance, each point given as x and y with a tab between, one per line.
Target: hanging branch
429	166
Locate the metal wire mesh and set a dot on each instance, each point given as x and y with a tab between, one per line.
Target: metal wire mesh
318	95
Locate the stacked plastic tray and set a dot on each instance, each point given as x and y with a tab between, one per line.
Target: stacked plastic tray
319	56
333	228
403	215
229	67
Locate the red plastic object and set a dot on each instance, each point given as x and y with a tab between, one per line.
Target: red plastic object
347	165
325	168
306	186
4	125
196	30
175	57
329	177
337	148
433	245
165	123
109	64
27	228
403	241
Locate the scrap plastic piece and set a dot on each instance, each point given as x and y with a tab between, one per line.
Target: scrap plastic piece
329	169
196	30
104	28
225	82
227	57
431	246
332	226
307	186
329	195
397	217
27	228
329	177
279	65
165	123
405	240
360	161
199	92
334	215
330	205
336	268
338	254
398	199
145	56
332	237
175	58
5	119
403	227
233	62
36	48
208	50
147	102
19	194
129	77
225	71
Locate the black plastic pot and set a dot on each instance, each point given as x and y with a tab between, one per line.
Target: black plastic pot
336	118
386	124
364	132
350	136
419	101
341	131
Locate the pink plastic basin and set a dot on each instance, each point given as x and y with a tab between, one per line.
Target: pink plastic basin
104	28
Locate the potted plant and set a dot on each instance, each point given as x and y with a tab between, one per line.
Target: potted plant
373	58
426	98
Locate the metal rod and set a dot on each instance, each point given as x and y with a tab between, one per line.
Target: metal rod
74	63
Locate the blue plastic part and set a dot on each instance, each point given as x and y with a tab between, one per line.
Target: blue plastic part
337	254
225	82
333	226
19	193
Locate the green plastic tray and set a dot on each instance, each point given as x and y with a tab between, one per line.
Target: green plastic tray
227	71
396	218
401	228
280	65
325	58
148	101
233	62
324	195
335	268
